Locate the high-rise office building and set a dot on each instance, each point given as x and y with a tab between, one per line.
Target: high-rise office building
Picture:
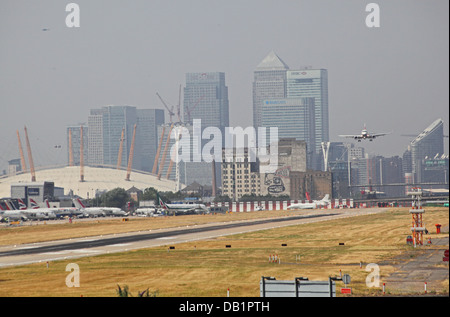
105	130
74	139
148	121
105	135
206	98
269	83
274	81
294	118
312	83
427	144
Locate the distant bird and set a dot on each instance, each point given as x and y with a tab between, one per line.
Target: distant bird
45	29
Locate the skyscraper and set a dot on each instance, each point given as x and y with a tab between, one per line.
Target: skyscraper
148	121
269	83
105	135
312	83
427	144
294	118
105	130
74	139
206	98
274	82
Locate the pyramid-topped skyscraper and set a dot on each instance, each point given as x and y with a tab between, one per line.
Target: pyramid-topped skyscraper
294	101
272	62
269	83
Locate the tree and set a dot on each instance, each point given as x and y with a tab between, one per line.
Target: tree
116	197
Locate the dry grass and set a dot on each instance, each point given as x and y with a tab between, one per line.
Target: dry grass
47	231
207	268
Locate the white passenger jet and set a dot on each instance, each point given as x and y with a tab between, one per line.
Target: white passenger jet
182	208
365	135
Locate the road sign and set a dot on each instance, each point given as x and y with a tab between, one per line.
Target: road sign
346	279
346	290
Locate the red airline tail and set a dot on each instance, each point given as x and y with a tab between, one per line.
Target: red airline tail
33	204
22	205
307	196
79	201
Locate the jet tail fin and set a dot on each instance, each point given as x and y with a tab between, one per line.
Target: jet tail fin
161	202
22	205
307	196
326	198
78	204
33	204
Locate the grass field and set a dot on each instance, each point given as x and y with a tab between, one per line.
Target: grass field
208	268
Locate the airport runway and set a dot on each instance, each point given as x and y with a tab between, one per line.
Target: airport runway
90	246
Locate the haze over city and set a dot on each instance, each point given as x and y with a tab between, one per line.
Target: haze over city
393	78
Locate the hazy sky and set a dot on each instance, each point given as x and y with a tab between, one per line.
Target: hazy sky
393	78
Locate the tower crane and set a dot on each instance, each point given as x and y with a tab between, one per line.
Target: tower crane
171	110
189	111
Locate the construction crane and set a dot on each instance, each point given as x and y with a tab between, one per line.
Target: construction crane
171	110
22	157
30	157
189	111
119	157
130	158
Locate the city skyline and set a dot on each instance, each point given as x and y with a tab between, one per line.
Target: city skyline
124	54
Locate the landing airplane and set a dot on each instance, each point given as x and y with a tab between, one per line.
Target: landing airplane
181	208
315	204
365	135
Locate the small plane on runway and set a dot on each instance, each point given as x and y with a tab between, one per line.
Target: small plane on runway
185	208
365	135
313	205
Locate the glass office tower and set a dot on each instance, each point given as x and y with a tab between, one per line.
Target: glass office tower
312	83
269	83
206	98
427	144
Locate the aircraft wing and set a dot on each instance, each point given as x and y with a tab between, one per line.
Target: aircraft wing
350	136
374	135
